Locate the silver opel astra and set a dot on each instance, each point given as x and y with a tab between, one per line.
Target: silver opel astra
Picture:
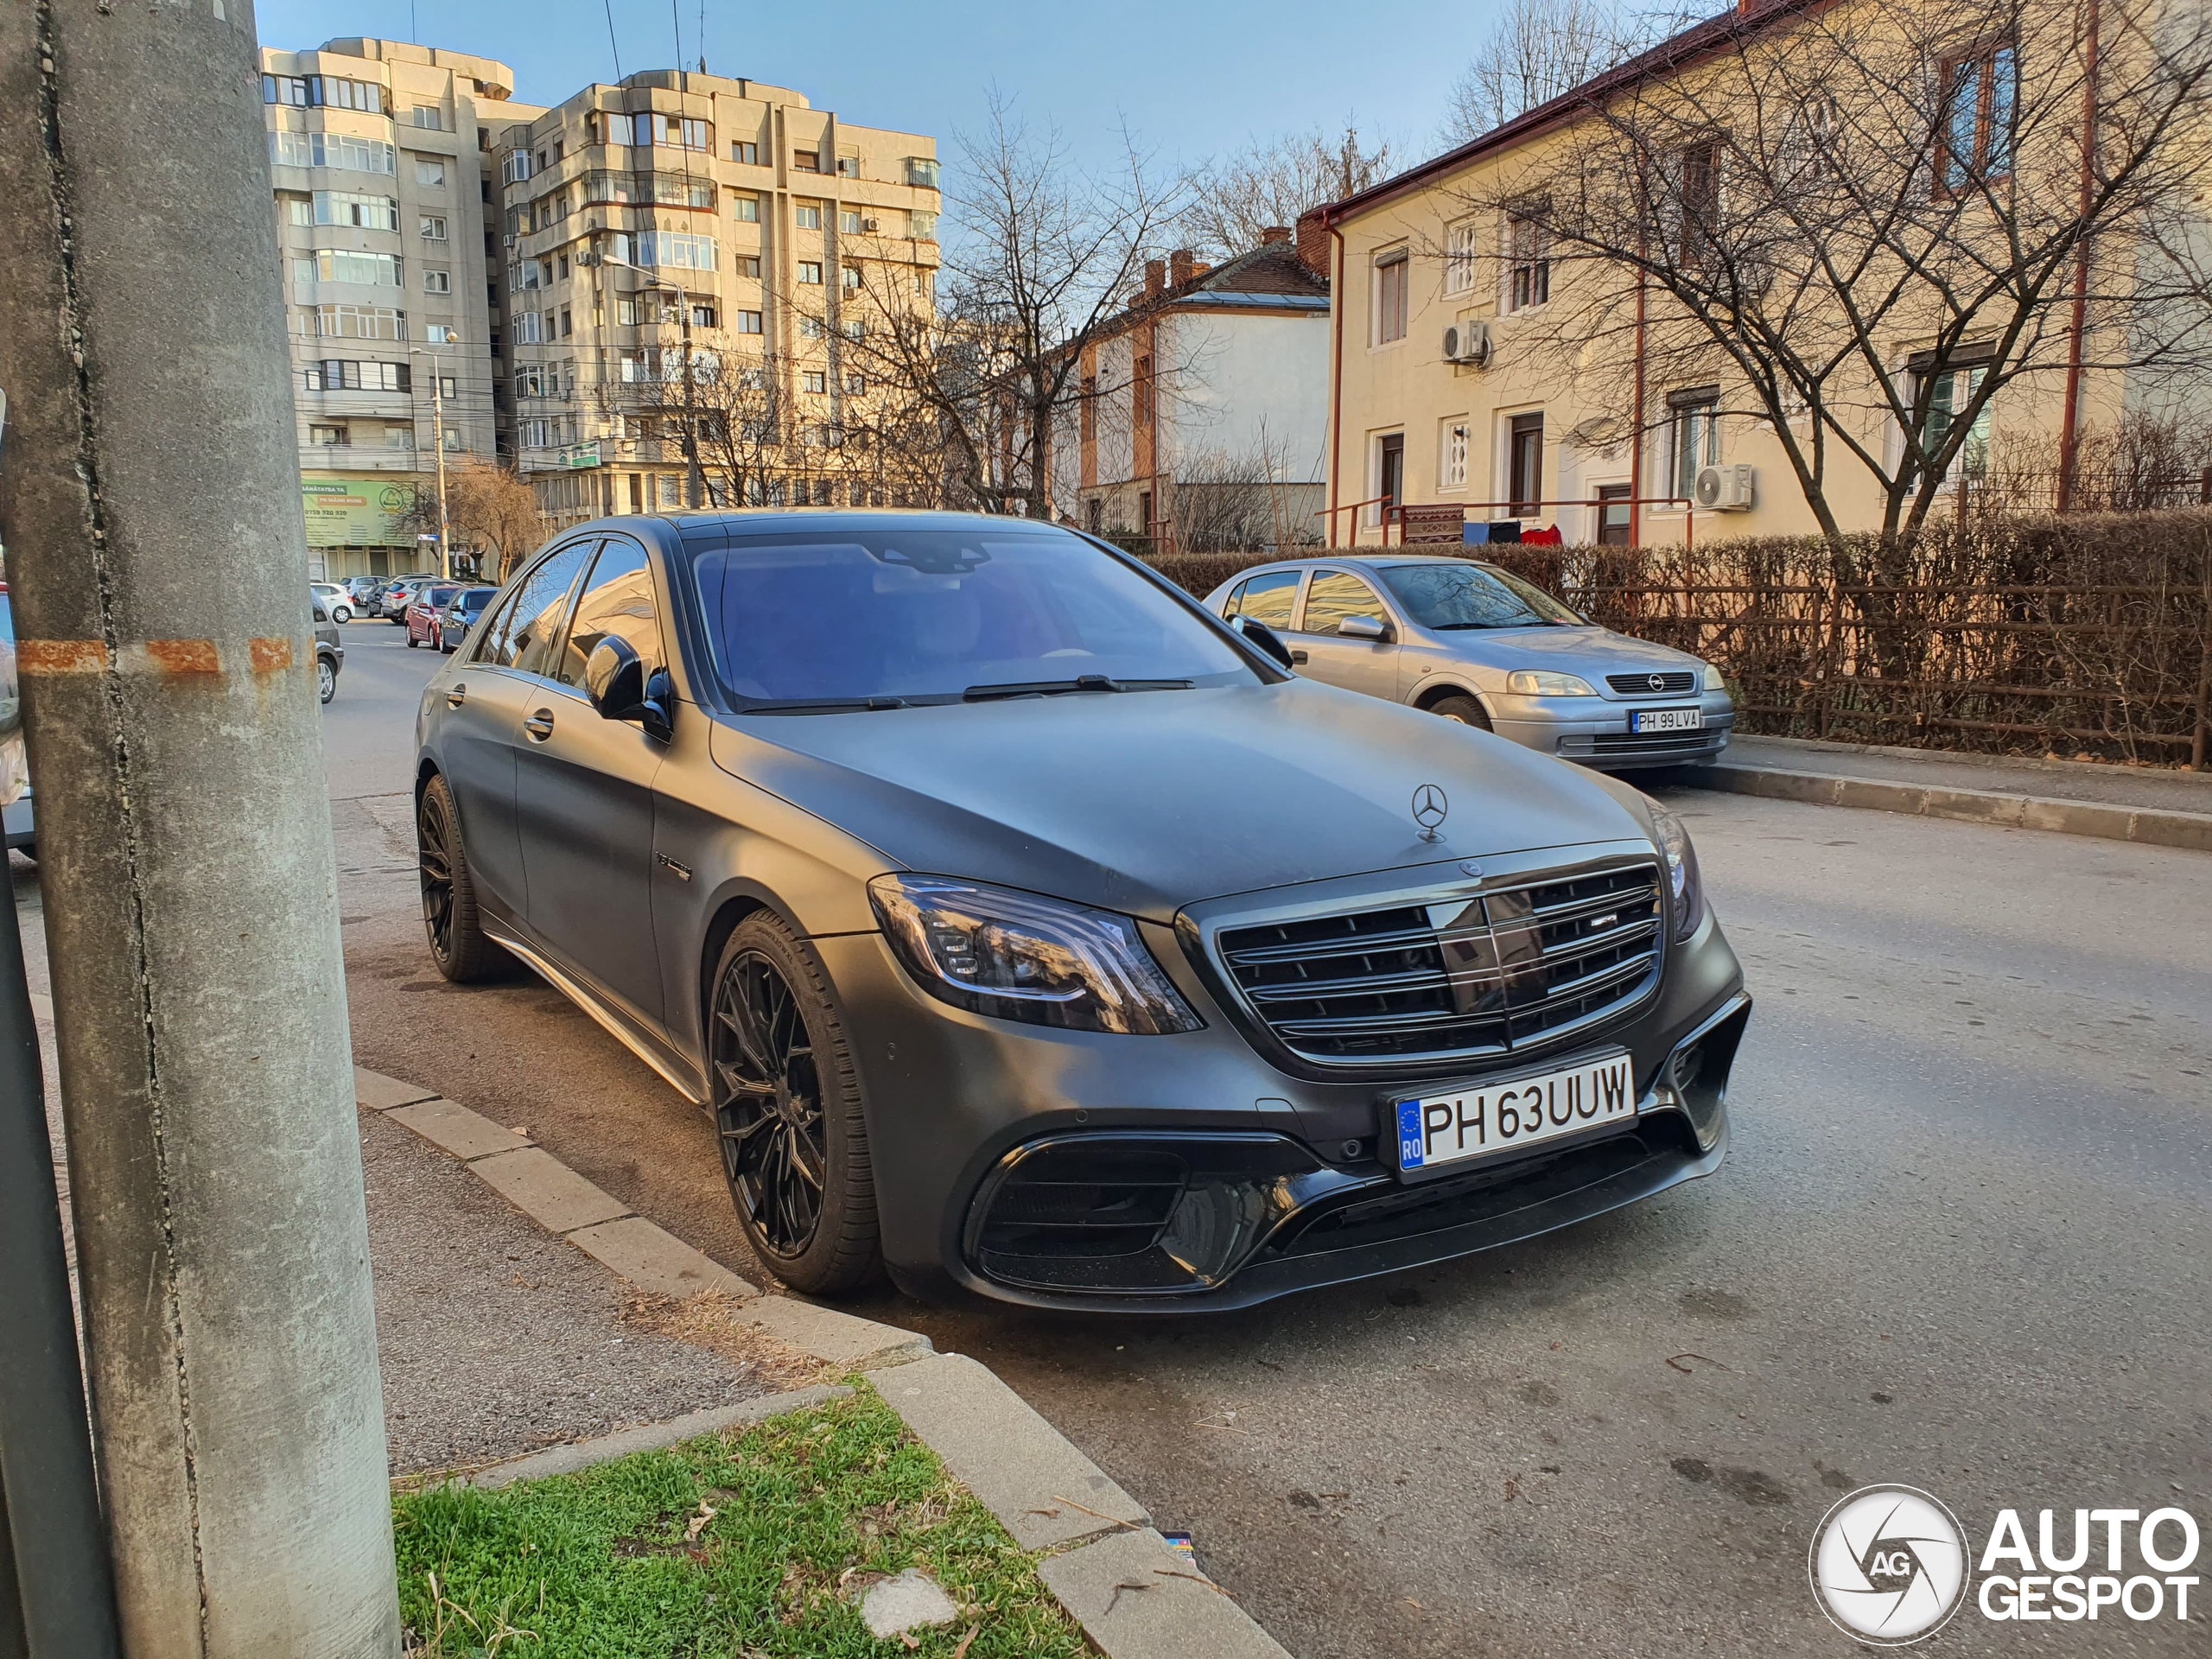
1477	645
1032	934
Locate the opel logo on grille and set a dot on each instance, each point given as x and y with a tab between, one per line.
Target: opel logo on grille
1430	810
1658	682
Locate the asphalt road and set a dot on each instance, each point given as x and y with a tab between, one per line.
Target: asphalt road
1961	1242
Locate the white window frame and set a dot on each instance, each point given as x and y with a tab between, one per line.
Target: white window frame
1455	443
1460	257
1527	248
1391	265
437	282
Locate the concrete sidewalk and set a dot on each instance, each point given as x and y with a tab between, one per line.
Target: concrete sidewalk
2154	806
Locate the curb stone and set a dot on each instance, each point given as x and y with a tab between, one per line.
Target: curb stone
2149	826
646	1437
1026	1471
1138	1599
1135	1598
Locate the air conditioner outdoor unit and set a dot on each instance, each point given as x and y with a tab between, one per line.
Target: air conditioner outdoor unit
1724	489
868	225
1468	342
511	238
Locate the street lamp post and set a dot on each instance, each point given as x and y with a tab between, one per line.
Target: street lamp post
438	441
694	477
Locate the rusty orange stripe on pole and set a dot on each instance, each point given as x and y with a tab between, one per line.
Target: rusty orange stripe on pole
271	654
60	656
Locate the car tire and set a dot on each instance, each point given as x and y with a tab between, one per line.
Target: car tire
458	945
29	849
410	638
785	1095
1465	710
341	614
326	678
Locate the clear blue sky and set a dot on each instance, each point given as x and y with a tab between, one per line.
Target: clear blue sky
1192	77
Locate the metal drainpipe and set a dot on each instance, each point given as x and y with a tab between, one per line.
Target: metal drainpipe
1335	374
2070	422
1636	449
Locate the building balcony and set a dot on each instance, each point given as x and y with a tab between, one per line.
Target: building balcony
348	458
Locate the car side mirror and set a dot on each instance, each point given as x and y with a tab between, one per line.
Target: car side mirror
1264	637
616	681
1373	629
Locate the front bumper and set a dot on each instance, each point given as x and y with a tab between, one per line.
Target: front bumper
1595	731
1286	1187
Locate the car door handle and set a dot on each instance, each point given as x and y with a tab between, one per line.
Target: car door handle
1296	658
540	724
455	697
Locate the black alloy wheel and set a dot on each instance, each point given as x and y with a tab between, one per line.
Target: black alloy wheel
787	1105
458	943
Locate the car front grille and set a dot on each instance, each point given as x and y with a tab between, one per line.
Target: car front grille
1665	685
1463	978
1640	743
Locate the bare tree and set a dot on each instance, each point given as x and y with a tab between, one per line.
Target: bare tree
1861	224
1271	181
490	509
1040	255
1544	50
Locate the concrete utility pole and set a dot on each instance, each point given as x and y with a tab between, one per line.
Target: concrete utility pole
184	838
438	441
694	476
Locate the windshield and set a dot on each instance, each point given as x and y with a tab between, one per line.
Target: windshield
1446	596
475	599
934	614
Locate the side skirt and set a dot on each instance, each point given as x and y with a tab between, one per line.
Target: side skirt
615	1025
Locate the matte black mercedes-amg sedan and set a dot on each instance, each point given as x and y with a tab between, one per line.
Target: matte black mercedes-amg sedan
1033	932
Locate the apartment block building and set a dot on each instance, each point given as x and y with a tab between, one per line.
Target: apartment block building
682	213
382	167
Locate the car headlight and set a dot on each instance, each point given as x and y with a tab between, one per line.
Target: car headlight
1686	887
1017	955
1538	683
1713	682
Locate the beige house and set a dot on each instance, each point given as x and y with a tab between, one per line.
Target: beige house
685	211
380	161
1484	357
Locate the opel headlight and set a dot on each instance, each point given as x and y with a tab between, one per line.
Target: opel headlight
1686	887
1538	683
1017	955
1713	682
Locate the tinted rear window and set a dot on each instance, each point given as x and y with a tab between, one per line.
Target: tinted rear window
928	614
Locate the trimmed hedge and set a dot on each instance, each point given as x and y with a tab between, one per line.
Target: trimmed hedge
2083	635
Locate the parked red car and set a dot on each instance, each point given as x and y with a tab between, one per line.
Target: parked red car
426	611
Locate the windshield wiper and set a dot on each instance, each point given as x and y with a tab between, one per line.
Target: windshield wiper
824	705
1057	688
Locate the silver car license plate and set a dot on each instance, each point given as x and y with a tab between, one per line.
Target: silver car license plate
1667	720
1505	1114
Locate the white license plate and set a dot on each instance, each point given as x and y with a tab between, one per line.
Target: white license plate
1667	720
1524	1111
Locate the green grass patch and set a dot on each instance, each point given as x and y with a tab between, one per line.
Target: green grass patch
625	1562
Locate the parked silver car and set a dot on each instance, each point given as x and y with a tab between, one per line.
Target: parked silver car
1477	645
